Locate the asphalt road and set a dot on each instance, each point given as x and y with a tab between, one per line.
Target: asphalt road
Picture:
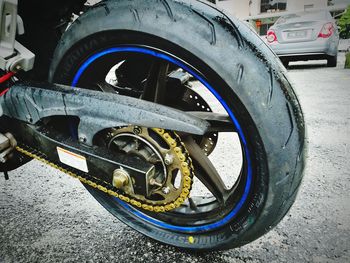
46	216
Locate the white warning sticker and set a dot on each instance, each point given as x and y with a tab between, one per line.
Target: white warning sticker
72	159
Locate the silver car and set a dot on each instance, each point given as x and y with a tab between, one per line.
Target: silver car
304	36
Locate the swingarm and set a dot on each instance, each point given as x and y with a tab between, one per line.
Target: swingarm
95	110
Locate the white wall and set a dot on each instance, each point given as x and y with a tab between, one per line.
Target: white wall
242	9
299	5
239	8
255	7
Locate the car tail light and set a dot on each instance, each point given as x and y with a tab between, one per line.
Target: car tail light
271	36
326	31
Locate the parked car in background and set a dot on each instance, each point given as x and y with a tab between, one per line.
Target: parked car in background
305	36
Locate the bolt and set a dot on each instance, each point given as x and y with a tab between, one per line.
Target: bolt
120	178
166	190
29	118
16	67
168	159
154	182
137	130
82	139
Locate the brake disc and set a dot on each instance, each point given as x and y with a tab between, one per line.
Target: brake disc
192	101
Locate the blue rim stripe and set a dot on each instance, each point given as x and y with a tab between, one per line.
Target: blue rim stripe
180	64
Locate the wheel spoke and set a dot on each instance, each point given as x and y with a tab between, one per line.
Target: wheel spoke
192	204
218	122
155	85
205	170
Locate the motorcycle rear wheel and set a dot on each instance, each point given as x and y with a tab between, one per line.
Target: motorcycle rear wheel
239	72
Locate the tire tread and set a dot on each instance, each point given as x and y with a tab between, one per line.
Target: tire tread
214	29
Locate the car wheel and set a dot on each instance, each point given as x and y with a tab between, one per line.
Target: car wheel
285	62
332	61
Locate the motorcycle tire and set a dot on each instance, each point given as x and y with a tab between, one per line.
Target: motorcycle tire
243	74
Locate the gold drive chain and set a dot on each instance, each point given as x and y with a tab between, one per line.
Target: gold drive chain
173	141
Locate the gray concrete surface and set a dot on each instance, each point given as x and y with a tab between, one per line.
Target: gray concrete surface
46	216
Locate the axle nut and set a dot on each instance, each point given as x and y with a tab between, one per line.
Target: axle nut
120	178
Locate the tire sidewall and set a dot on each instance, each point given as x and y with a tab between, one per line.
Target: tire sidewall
84	39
